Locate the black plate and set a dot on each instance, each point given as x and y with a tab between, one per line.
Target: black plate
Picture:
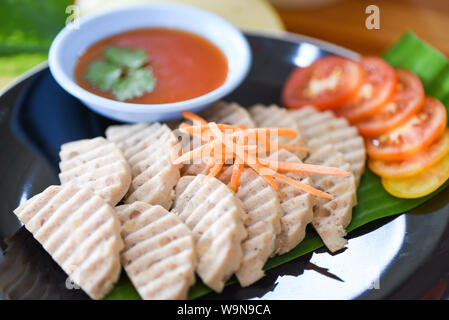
391	258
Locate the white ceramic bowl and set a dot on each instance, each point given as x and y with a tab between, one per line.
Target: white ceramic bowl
71	43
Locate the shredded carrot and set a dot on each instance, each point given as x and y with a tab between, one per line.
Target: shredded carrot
193	117
267	172
303	186
303	167
215	169
271	132
186	128
264	172
184	125
237	169
251	148
195	153
224	142
271	182
216	130
272	146
238	166
290	147
210	163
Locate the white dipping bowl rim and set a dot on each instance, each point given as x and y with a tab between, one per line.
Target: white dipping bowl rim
71	43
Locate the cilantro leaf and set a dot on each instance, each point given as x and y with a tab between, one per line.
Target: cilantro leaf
103	74
126	57
135	84
122	72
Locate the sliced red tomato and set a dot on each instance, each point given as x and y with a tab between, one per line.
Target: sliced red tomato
416	163
326	84
417	133
407	100
375	92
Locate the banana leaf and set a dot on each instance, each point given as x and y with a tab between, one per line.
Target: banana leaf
374	202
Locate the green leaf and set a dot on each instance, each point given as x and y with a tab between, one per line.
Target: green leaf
27	28
30	25
103	75
430	65
107	75
13	65
123	290
126	57
373	201
135	84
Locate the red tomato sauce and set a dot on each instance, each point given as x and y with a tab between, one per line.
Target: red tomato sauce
185	65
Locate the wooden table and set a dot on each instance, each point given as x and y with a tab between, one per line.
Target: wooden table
343	23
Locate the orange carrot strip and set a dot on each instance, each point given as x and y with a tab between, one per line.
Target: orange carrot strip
216	130
252	162
268	173
195	153
271	181
271	145
223	138
266	168
225	156
209	164
254	148
262	172
232	126
184	125
193	117
258	149
215	169
237	169
196	131
204	136
202	132
303	186
271	132
303	167
217	155
238	166
186	128
251	148
295	148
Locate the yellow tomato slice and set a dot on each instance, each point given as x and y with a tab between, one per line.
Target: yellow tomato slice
421	184
415	164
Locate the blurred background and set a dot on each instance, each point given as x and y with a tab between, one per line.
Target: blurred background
27	27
